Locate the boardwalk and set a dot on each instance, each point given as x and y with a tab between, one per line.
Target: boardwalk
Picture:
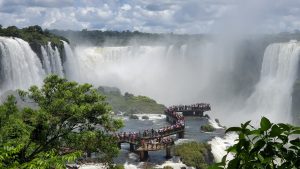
158	139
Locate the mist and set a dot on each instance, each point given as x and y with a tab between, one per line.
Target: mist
222	68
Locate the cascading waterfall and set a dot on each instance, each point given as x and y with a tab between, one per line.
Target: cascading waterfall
168	73
19	65
52	60
273	93
71	65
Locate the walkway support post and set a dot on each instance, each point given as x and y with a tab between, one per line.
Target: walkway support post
143	155
131	148
168	152
181	134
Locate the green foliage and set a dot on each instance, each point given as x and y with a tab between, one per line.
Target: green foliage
271	146
129	103
117	38
195	154
33	35
70	119
207	128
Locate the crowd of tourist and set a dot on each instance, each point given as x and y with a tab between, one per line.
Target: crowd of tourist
158	137
135	137
197	106
157	143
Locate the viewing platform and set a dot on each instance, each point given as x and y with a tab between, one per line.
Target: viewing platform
189	110
159	139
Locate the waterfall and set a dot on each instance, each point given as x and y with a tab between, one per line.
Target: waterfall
46	61
52	60
19	65
273	93
71	65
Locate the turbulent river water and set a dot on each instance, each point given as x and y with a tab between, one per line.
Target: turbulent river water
157	158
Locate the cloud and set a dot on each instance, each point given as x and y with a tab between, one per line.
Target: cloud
189	16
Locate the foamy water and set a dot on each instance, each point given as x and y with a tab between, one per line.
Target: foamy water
219	145
152	117
214	124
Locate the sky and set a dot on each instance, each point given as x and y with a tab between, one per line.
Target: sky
157	16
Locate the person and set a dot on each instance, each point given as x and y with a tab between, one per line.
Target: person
143	143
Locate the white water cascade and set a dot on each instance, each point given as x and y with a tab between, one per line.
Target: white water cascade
71	65
171	74
51	60
19	65
273	93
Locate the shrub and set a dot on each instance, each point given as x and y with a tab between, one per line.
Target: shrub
270	146
195	154
207	128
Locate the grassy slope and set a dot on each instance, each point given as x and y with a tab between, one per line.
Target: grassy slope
129	103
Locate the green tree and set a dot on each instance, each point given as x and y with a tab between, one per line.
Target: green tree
67	120
270	146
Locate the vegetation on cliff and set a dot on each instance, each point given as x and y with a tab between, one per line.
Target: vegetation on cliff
59	129
195	154
129	103
121	38
33	35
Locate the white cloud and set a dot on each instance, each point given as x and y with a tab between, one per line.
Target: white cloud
189	16
126	7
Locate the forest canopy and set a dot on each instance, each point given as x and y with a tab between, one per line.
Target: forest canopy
32	34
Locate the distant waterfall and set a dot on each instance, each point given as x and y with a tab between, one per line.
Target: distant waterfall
273	93
52	60
19	65
71	65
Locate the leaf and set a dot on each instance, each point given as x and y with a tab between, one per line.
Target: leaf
255	132
265	124
258	145
216	166
246	124
260	157
275	131
285	127
233	163
231	149
283	138
295	142
233	129
295	132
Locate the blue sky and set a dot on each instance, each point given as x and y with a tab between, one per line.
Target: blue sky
178	16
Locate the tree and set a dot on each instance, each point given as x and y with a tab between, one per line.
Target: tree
68	119
271	146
